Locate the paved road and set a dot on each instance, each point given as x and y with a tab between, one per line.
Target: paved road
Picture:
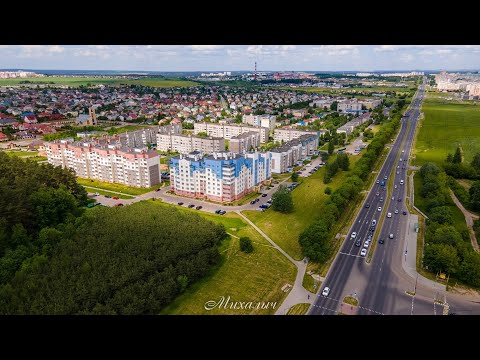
381	285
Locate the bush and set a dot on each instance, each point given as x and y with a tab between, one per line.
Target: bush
246	245
328	190
282	200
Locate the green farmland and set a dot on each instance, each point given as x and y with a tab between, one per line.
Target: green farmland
77	81
447	125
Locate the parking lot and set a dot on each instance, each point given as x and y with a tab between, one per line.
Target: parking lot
306	169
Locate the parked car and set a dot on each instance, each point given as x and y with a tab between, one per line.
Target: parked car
158	189
115	198
269	201
220	212
180	203
108	196
199	207
264	195
119	204
96	194
404	212
363	252
252	202
191	206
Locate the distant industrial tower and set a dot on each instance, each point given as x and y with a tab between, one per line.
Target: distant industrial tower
255	76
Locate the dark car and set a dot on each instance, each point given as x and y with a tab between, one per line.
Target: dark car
399	199
199	207
108	196
180	203
252	202
381	241
257	200
404	213
119	204
191	206
367	205
358	243
157	189
115	198
264	195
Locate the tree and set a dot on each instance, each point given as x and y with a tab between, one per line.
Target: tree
449	158
328	190
343	161
457	157
282	200
475	196
470	269
246	245
441	257
331	147
429	168
334	105
447	235
202	134
315	242
441	215
294	177
476	162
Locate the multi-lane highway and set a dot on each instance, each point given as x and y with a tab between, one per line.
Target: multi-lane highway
380	286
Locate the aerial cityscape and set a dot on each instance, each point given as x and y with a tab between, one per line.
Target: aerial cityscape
240	180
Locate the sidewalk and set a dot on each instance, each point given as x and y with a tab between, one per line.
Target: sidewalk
409	260
469	218
297	294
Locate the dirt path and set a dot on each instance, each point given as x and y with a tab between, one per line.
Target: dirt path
469	217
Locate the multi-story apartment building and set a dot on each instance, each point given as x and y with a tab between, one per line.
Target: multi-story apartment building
147	135
289	134
185	144
370	103
267	121
292	153
244	142
349	105
113	163
229	131
222	176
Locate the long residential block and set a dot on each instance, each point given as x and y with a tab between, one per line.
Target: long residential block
290	134
244	142
185	144
230	130
291	153
112	163
221	177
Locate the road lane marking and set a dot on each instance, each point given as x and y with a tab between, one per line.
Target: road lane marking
338	301
324	308
343	253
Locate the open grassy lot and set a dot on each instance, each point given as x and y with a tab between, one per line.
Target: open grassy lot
129	190
103	192
21	153
466	183
447	125
298	309
77	81
308	198
255	277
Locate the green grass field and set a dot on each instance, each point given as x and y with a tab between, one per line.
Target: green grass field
21	153
447	125
466	183
255	277
308	197
129	190
77	81
103	192
376	89
298	309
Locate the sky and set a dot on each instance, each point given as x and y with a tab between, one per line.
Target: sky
240	57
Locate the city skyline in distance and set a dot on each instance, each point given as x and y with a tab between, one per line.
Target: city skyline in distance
212	58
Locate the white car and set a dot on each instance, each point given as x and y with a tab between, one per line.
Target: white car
366	244
389	215
395	186
390	236
379	208
396	211
374	222
326	291
363	252
403	151
354	235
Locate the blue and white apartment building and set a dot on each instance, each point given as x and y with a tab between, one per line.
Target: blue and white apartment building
222	177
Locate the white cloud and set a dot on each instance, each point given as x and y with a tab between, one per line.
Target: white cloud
206	47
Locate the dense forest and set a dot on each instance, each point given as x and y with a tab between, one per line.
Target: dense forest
59	258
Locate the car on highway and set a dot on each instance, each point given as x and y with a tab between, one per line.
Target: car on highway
367	205
180	203
401	159
398	166
403	151
381	241
366	244
396	211
385	177
363	252
191	206
401	182
354	235
377	193
389	215
358	243
374	222
390	236
395	186
326	291
398	172
378	181
399	199
381	199
379	208
108	196
404	212
264	195
199	207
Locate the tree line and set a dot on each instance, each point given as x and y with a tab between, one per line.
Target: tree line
446	249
